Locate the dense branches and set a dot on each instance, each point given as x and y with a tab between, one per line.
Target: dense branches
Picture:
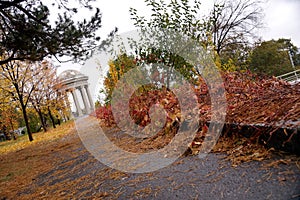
30	85
232	22
27	34
177	15
21	81
227	29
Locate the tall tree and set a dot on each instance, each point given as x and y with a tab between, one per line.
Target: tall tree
232	23
178	16
26	32
56	100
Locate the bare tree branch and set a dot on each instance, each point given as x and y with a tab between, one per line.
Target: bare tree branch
231	18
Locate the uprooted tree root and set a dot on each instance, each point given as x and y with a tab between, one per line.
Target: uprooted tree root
251	100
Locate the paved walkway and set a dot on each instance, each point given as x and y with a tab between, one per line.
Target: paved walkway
78	175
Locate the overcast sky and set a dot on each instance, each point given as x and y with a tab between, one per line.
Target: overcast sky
281	21
281	17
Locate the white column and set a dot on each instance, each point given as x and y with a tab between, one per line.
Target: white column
79	112
85	102
89	97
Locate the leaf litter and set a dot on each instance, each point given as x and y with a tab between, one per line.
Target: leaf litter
32	160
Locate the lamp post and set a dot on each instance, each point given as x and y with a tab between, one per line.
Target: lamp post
292	62
293	65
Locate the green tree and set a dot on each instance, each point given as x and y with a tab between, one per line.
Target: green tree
26	32
33	120
177	16
271	57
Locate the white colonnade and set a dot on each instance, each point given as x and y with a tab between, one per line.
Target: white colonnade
77	83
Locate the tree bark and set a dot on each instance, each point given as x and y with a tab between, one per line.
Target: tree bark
12	128
42	120
26	121
51	117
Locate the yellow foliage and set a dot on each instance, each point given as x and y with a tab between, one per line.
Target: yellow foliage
39	138
229	66
218	61
117	68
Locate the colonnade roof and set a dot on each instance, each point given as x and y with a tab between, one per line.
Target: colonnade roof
70	74
72	79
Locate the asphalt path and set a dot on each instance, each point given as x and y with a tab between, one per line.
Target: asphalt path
78	173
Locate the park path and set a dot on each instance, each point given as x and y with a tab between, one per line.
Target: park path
78	175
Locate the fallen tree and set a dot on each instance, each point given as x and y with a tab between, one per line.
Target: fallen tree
263	109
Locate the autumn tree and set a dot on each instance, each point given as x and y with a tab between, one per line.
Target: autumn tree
57	102
26	32
45	96
9	112
22	79
272	58
8	120
117	68
37	99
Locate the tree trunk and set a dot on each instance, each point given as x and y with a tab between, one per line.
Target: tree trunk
51	117
11	124
42	120
168	77
65	117
12	128
26	122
